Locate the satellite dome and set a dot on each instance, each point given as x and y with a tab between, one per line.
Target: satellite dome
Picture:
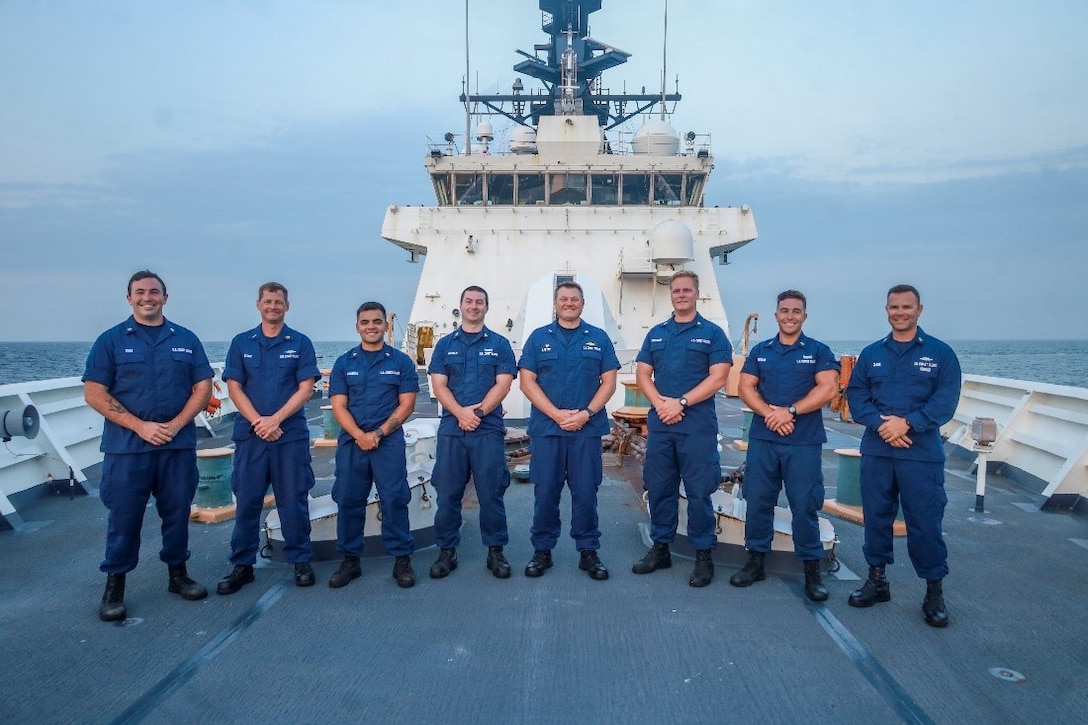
656	138
523	140
671	242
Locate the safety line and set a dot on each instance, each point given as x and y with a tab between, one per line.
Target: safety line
868	665
167	686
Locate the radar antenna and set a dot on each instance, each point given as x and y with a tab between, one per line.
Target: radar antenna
570	71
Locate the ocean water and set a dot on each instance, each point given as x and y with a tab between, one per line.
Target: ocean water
1060	362
23	361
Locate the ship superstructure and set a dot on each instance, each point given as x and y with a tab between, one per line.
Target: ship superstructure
567	197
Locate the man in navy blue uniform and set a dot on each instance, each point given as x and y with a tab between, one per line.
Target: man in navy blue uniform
471	372
568	373
786	380
683	363
149	378
373	391
270	374
903	389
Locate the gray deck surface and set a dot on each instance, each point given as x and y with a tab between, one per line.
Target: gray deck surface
562	648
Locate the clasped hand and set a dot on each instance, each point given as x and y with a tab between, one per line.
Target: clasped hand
779	421
669	411
893	431
572	420
267	429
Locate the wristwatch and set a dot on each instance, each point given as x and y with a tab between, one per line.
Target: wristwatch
589	411
792	410
380	433
683	401
479	412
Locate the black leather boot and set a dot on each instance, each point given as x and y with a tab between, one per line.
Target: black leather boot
540	563
112	608
180	583
446	562
658	557
403	572
349	569
752	571
497	563
875	589
591	563
239	576
703	573
814	586
933	605
304	575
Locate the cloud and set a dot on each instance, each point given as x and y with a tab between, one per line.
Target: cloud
305	209
995	257
227	143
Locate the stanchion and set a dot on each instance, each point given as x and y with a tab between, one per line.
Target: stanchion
980	482
984	433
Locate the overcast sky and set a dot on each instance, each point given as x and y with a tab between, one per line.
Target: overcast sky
228	142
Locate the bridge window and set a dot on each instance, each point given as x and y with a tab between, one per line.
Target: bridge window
468	188
500	189
604	189
695	189
530	189
668	189
441	184
567	189
636	189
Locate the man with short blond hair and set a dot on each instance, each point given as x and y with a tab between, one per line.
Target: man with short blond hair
683	363
270	374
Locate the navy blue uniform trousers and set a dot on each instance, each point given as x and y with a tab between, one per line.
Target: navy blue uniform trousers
128	482
694	458
576	461
286	468
919	486
483	457
356	472
770	465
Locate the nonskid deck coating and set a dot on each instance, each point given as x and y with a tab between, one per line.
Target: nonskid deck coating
471	648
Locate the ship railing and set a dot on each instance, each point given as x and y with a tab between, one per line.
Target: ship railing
1042	441
67	444
617	142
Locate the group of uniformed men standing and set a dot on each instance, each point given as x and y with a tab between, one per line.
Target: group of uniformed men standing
149	378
